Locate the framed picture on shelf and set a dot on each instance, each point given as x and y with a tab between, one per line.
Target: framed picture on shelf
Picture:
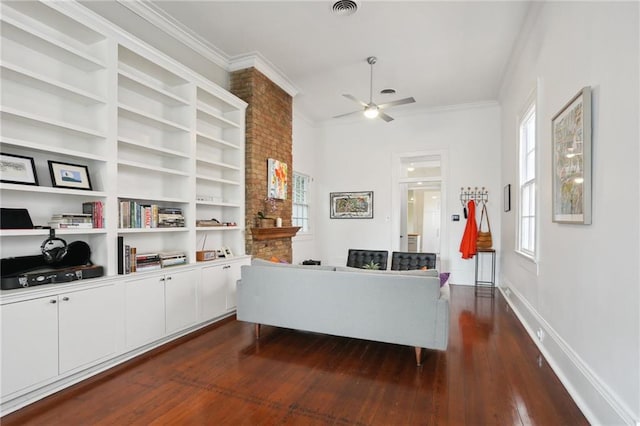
65	175
351	205
17	169
571	146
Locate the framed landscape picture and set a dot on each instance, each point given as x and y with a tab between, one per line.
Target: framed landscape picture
571	145
65	175
351	205
17	169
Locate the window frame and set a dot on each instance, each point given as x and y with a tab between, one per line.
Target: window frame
528	181
307	204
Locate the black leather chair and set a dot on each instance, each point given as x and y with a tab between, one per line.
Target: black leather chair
404	261
358	258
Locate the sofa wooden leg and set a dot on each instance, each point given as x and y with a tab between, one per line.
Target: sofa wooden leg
257	329
418	356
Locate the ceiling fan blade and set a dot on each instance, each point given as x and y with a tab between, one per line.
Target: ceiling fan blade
385	117
398	102
349	113
353	98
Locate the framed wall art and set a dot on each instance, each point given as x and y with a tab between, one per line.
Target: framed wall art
571	146
351	205
506	198
17	169
278	179
65	175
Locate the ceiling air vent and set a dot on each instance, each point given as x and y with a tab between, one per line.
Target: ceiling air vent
345	7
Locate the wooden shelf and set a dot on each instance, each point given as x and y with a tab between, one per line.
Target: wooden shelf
272	233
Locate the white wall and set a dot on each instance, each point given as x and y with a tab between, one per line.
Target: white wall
358	155
584	291
305	137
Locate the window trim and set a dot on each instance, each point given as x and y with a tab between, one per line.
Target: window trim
529	109
309	180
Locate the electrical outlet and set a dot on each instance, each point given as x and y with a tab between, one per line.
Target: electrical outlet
507	291
540	334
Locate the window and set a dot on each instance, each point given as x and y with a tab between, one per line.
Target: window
300	211
527	206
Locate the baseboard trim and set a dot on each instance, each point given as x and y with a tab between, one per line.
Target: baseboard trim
594	398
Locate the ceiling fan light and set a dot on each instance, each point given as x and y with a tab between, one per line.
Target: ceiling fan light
371	112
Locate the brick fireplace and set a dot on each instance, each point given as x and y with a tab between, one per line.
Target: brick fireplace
268	135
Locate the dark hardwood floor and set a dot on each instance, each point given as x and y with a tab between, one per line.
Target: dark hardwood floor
490	375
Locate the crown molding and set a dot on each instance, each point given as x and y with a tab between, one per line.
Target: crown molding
259	62
166	23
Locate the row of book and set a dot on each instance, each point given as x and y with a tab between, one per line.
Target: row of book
129	260
137	215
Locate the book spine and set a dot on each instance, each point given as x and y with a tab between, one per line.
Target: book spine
100	215
127	259
133	261
147	216
154	215
121	255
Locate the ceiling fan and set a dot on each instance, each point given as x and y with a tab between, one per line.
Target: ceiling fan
371	109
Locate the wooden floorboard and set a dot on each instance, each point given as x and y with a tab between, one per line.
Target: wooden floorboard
490	374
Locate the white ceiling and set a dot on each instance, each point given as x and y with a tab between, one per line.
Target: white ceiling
441	53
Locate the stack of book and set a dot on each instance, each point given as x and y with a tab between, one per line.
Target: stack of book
172	258
147	262
170	217
95	209
71	221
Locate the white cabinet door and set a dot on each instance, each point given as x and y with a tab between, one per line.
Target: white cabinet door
144	311
181	302
232	275
213	293
87	326
29	343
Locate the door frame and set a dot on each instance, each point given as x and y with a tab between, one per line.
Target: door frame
398	193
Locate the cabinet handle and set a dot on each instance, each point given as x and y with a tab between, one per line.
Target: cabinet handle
168	278
226	267
53	301
66	299
162	279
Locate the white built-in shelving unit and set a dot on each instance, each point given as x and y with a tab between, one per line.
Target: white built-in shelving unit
148	129
76	89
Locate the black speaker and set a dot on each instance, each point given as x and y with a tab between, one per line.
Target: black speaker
53	248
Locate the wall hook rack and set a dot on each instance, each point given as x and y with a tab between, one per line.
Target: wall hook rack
476	195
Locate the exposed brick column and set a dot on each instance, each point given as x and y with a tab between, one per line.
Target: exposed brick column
268	135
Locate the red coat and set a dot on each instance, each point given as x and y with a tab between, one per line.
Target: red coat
468	244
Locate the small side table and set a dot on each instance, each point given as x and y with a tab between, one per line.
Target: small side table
483	286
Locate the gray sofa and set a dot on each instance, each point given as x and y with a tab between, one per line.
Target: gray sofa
401	307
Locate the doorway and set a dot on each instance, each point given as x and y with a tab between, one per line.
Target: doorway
420	187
